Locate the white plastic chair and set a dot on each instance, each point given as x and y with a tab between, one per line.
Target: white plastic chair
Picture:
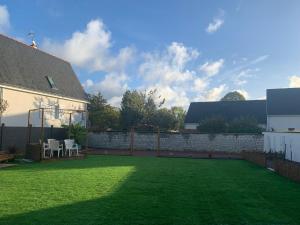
56	147
71	146
46	149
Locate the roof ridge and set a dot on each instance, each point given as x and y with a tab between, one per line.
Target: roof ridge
252	100
284	88
22	43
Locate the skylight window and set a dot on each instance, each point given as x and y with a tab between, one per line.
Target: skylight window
51	82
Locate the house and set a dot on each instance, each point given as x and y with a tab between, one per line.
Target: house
283	109
283	126
33	79
228	110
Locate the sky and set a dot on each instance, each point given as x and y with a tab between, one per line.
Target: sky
188	50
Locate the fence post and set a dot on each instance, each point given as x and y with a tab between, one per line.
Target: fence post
29	133
158	141
1	138
51	131
42	128
131	140
70	123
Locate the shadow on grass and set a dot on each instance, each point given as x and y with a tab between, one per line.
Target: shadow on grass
160	192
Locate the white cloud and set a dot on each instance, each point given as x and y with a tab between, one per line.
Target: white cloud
4	19
173	95
212	68
294	81
214	25
217	22
211	94
259	59
200	84
113	85
168	66
244	93
91	49
216	93
242	77
115	101
167	71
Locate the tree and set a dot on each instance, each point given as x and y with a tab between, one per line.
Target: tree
102	116
138	108
97	102
132	108
111	117
233	96
214	124
244	125
164	119
179	116
150	107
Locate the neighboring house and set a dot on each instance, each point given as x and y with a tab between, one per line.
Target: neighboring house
283	113
31	79
283	109
229	110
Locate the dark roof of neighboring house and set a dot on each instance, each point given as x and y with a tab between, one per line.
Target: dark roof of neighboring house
227	109
285	101
25	67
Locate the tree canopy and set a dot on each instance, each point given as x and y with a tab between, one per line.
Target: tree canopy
233	96
102	116
138	109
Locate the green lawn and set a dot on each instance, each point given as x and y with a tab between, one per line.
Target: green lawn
115	190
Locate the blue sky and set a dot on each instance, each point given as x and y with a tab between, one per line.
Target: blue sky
188	50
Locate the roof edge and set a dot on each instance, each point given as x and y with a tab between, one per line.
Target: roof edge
36	49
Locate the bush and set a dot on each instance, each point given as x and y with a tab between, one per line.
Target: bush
215	124
244	125
77	132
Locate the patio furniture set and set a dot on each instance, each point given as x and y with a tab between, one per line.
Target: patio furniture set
67	149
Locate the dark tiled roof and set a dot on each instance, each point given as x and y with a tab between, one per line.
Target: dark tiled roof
285	101
227	109
25	67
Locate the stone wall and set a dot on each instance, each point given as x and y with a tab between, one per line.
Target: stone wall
177	141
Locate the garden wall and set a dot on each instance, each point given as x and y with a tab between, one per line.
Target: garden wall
176	141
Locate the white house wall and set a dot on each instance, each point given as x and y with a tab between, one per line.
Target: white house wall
19	103
191	126
283	123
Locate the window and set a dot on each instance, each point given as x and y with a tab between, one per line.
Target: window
51	82
56	112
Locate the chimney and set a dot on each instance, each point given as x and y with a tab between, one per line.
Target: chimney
33	44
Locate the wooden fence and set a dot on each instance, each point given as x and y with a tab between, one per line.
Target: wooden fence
283	167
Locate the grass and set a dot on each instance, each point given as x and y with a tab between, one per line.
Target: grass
132	190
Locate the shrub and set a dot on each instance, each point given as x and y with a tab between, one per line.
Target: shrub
214	124
244	125
217	124
77	132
